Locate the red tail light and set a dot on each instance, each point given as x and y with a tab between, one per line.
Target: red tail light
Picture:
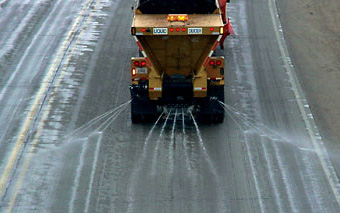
171	29
133	72
212	29
177	29
143	30
143	63
136	63
211	63
183	29
218	63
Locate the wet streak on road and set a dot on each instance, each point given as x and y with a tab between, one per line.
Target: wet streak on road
89	157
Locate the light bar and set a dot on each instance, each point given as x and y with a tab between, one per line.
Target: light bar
176	17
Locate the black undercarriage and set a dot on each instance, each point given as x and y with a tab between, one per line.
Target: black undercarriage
177	95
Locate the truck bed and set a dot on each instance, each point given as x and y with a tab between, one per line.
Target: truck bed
160	20
177	6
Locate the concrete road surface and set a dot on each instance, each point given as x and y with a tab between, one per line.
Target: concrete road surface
67	143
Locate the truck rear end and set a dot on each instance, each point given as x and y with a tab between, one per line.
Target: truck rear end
176	66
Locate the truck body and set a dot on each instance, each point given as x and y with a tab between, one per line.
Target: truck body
176	67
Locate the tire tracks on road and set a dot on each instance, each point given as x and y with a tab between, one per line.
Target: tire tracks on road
42	96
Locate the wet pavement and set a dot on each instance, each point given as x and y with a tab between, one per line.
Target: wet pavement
68	145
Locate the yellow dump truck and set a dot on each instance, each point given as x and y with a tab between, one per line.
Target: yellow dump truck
177	66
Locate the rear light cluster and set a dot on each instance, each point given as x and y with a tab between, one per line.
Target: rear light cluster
213	63
177	29
139	63
133	71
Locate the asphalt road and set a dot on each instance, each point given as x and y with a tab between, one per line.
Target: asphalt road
67	143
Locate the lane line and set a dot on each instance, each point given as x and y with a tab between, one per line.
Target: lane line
244	65
94	167
36	37
8	43
41	124
28	159
252	166
76	180
39	99
222	197
299	96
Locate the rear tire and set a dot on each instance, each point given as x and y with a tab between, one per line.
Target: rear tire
212	111
142	110
135	118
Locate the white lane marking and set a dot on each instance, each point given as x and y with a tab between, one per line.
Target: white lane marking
250	158
94	167
36	36
274	183
285	180
156	150
240	70
101	183
40	129
76	180
299	96
39	98
29	157
8	43
171	146
222	197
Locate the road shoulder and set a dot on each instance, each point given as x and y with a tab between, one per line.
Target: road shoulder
313	36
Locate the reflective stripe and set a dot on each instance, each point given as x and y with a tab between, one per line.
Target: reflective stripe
140	46
206	61
215	45
215	79
200	88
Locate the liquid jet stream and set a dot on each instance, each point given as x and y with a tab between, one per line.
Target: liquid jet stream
221	195
258	126
138	165
172	144
95	120
155	154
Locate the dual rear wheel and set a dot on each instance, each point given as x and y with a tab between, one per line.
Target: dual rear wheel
210	110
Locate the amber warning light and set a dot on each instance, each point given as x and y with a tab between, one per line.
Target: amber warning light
173	17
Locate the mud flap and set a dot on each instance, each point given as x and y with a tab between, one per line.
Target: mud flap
211	111
142	109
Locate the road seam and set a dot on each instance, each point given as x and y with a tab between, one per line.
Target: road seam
304	108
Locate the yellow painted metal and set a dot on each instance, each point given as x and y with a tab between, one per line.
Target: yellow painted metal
155	85
177	48
172	55
200	84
